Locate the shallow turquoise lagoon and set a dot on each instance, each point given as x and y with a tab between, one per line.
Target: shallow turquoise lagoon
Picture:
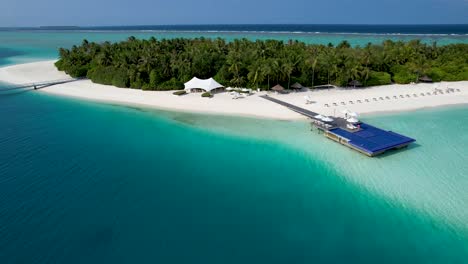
83	182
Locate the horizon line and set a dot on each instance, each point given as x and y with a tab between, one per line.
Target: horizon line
233	24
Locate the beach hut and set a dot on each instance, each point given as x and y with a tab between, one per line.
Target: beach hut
207	85
425	79
297	86
355	83
278	88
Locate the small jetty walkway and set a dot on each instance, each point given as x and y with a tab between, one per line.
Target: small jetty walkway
364	138
294	108
38	85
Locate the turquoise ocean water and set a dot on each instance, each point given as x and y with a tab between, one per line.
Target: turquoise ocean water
83	182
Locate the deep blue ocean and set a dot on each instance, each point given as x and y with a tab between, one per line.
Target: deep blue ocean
441	29
88	182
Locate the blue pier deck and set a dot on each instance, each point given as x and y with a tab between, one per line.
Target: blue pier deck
371	140
368	140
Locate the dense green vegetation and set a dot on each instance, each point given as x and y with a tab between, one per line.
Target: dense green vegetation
179	92
166	64
207	94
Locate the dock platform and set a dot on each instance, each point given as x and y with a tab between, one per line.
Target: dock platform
366	139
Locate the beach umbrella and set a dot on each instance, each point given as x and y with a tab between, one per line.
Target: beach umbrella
352	120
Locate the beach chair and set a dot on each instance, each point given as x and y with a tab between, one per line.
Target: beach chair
351	102
458	90
415	95
381	98
375	99
428	93
367	100
335	104
359	101
343	103
387	97
422	94
395	97
408	95
401	96
326	105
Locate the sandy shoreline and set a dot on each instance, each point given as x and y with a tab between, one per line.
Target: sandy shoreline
254	106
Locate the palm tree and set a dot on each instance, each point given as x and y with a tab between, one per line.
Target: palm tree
266	70
286	69
255	74
311	62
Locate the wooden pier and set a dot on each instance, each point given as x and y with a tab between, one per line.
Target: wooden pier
37	85
364	138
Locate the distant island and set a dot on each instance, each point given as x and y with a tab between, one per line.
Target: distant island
59	27
166	64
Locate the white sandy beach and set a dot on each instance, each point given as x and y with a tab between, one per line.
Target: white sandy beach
222	103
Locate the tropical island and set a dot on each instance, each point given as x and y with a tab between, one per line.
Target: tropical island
166	64
390	73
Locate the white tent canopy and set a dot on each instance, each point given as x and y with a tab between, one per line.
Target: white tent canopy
207	85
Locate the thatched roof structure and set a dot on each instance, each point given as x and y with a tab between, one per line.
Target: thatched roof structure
425	78
297	86
278	88
355	83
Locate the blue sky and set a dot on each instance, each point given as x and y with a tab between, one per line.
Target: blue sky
155	12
